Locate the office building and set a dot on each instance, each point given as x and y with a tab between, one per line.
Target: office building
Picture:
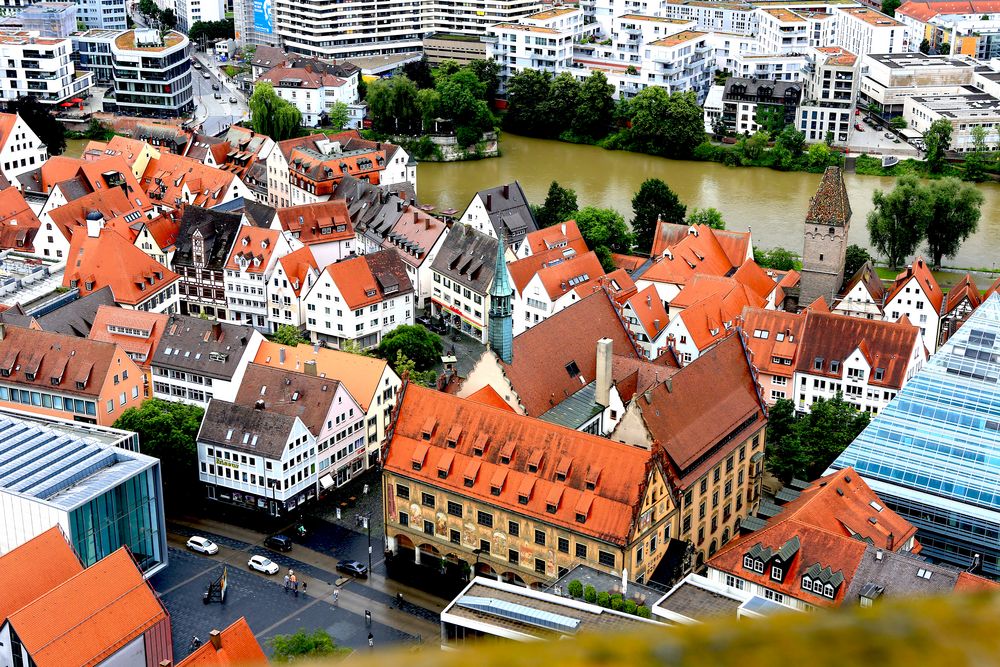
40	67
103	495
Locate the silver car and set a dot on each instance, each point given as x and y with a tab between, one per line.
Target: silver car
262	564
202	545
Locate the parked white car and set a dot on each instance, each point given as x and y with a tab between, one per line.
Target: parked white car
202	545
262	564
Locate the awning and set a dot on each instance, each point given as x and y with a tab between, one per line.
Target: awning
66	104
76	100
326	482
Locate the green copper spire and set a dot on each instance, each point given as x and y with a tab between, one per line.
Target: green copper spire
501	314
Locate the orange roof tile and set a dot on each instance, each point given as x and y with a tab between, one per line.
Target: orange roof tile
965	289
90	616
18	223
111	204
576	274
697	253
647	307
297	266
237	648
772	334
56	359
667	235
755	278
925	280
359	373
621	470
627	262
715	317
618	284
252	249
167	178
57	169
7	121
30	570
139	348
164	230
970	583
320	222
362	280
925	11
563	235
738	246
489	396
109	260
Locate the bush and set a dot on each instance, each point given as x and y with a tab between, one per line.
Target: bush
467	136
590	594
643	610
706	151
630	607
617	604
575	588
603	599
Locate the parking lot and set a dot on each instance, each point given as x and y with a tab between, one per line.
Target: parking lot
873	139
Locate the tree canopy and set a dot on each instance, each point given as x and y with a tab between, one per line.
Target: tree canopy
779	259
804	447
289	335
899	220
596	108
954	218
559	206
303	644
654	201
527	91
271	115
710	217
604	231
669	124
937	140
855	259
41	121
211	30
393	106
168	431
415	342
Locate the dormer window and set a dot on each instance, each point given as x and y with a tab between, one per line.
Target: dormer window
834	366
777	573
818	363
551	508
522	498
879	374
29	376
581	518
828	591
81	385
748	562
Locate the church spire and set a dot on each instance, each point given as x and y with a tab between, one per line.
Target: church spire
501	315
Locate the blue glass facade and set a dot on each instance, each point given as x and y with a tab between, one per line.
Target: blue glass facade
934	453
128	514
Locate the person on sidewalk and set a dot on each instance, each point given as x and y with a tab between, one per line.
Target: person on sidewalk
371	640
287	579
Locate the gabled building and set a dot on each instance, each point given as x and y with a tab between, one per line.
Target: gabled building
550	281
708	419
203	244
863	296
417	237
711	318
503	210
371	381
198	359
232	647
172	181
963	298
18	223
135	152
252	260
293	277
564	235
136	332
64	376
324	227
313	93
461	276
21	150
307	169
476	484
917	295
57	224
773	338
157	237
835	544
105	259
360	299
647	319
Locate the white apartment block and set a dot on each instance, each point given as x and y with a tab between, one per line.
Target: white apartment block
726	17
964	112
251	263
865	30
517	47
889	79
781	30
312	93
40	68
20	151
829	94
189	12
777	67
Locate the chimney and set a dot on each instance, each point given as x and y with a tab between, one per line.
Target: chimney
563	228
259	405
489	202
506	191
648	394
316	347
669	384
602	395
95	223
310	367
216	638
890	542
3	331
656	325
166	663
281	355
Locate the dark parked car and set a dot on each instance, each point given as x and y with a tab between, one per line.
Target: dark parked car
215	86
278	543
352	567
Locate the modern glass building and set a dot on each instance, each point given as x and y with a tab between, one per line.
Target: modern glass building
89	480
933	454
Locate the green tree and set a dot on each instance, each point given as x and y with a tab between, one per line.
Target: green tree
784	454
706	216
855	259
937	141
211	30
898	223
654	201
603	228
337	116
149	9
560	204
781	158
393	106
669	124
925	46
889	7
419	72
289	335
41	121
558	109
417	343
271	115
488	73
779	259
168	19
404	366
168	431
596	108
429	103
898	122
955	217
826	431
770	117
461	102
526	92
975	160
303	644
446	68
792	140
819	155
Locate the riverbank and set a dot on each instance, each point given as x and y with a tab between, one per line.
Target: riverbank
442	148
868	165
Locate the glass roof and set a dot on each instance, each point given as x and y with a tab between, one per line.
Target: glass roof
941	434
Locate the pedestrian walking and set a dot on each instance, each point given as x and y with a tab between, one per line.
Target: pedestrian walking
336	595
399	600
287	580
371	640
303	588
368	617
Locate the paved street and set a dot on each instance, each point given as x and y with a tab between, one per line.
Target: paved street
214	115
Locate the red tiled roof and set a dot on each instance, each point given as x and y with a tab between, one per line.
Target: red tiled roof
57	169
667	235
297	266
237	648
715	317
164	230
621	470
109	260
577	274
252	249
965	289
700	405
358	278
699	252
618	284
544	354
648	309
763	328
971	583
56	360
489	396
563	235
90	616
868	277
834	337
321	222
18	223
627	262
112	316
166	178
110	203
304	76
925	11
7	121
29	571
925	280
418	229
755	278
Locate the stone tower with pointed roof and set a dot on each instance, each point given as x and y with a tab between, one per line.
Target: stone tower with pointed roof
501	310
824	250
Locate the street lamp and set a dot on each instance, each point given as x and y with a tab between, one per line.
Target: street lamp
368	524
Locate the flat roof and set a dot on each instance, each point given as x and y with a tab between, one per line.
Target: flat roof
785	15
679	38
656	19
528	28
872	17
916	59
973	106
127	41
552	13
696	602
62	463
